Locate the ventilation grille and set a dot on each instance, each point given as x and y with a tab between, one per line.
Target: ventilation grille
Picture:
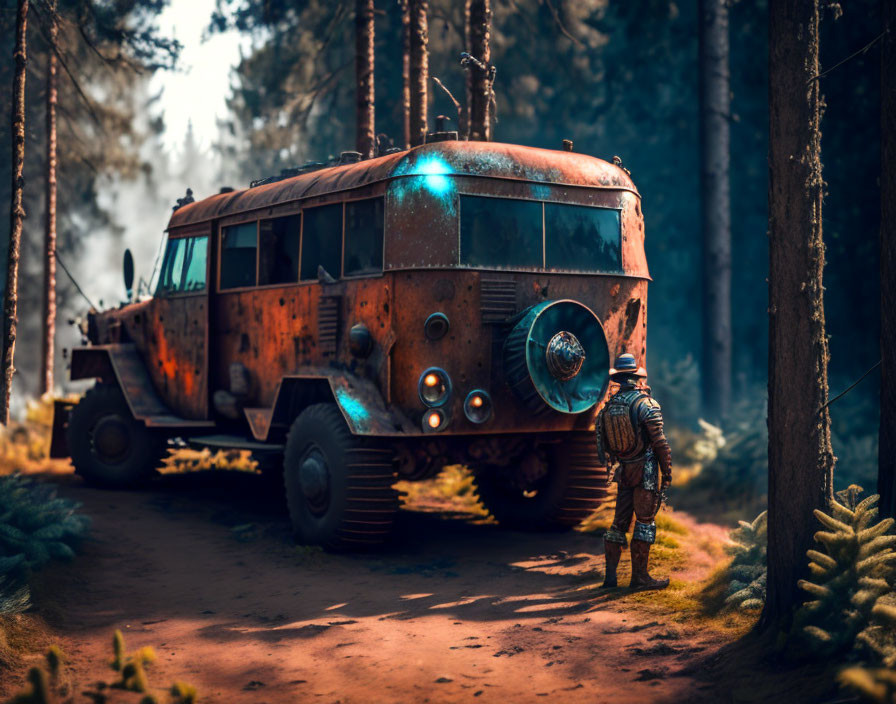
328	324
497	299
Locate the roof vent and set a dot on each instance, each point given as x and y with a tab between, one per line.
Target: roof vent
567	145
441	134
226	189
349	157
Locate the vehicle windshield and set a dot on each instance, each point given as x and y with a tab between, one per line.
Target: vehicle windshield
512	233
183	266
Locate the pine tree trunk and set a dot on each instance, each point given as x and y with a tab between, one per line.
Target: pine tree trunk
406	72
419	69
49	316
715	146
800	460
365	140
886	483
478	35
16	210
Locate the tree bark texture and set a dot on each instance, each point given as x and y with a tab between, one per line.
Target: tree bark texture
800	459
886	483
715	168
16	210
419	69
406	72
365	139
478	36
49	311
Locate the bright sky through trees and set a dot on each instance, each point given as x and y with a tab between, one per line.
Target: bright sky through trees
198	89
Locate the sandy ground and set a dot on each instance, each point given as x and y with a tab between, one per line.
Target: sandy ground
201	567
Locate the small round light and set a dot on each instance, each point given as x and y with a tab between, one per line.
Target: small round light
436	326
434	387
478	406
434	420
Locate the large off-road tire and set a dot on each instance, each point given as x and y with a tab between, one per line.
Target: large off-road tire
573	487
338	485
108	446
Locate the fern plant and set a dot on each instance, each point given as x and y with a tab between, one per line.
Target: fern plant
849	578
748	568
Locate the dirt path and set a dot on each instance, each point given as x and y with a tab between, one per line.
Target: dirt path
201	568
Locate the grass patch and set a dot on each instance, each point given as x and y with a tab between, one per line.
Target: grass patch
453	489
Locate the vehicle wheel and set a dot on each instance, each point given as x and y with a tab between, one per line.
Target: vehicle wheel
108	446
573	487
338	485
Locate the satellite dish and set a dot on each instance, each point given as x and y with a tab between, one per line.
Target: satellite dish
129	273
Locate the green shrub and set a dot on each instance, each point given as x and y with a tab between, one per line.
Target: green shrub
851	581
36	526
748	569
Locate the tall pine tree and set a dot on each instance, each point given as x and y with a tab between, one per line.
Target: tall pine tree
800	458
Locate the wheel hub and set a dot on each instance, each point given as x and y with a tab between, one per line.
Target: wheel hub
314	477
565	356
111	438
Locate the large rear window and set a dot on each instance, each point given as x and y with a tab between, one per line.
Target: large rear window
500	232
581	238
507	233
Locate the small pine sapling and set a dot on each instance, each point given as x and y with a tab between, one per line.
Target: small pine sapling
848	578
748	568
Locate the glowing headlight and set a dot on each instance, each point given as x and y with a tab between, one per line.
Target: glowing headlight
434	387
434	420
478	406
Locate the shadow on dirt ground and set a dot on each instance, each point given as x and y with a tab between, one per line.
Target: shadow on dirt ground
202	567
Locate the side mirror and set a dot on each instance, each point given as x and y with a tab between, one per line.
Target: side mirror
128	267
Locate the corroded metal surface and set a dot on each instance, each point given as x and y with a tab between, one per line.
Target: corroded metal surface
128	369
294	341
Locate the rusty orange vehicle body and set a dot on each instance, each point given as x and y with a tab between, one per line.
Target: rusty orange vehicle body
371	321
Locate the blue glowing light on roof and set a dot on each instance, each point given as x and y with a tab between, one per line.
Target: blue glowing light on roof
435	170
429	173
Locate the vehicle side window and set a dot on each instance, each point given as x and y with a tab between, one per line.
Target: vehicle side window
364	237
238	249
500	232
582	238
183	266
278	250
321	241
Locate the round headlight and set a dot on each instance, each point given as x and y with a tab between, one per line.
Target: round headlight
478	406
436	326
434	387
434	420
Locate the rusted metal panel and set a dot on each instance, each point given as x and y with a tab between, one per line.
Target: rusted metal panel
177	352
131	375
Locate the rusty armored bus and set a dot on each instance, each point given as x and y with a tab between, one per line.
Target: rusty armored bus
377	320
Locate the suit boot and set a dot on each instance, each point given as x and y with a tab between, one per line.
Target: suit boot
641	579
612	553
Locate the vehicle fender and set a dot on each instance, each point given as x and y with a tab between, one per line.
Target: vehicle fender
122	365
360	401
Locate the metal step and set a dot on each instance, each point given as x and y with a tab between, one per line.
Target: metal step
233	442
